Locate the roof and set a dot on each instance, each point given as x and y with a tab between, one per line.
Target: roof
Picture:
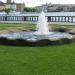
11	2
1	3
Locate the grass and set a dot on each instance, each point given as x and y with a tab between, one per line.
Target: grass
54	26
17	26
47	60
6	26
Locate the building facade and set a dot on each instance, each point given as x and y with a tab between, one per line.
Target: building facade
20	7
2	5
12	5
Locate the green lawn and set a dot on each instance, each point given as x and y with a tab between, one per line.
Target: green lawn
58	26
6	26
17	26
47	60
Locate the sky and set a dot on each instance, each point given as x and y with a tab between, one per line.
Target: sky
33	3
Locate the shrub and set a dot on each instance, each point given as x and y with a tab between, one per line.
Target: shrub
61	29
21	42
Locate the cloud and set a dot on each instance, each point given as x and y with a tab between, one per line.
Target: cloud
39	2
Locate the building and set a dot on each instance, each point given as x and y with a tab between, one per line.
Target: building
20	6
56	7
12	5
2	5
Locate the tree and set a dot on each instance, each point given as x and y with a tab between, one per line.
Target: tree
7	10
27	9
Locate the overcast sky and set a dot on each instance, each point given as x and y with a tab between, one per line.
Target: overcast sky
32	3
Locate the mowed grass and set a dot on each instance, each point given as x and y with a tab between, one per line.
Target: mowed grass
18	26
28	26
7	26
47	60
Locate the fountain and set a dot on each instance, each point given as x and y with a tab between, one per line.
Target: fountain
41	33
42	26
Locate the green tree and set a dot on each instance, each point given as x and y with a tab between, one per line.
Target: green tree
7	10
27	9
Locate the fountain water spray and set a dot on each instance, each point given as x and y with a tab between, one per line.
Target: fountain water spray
42	25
